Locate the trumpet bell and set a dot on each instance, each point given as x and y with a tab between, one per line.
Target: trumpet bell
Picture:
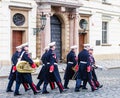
24	67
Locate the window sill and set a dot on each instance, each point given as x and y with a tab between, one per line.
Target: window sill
106	45
106	3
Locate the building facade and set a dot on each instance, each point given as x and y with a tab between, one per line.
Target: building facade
81	21
68	22
104	24
17	20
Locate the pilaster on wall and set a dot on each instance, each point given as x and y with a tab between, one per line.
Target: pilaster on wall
65	36
73	19
38	38
43	37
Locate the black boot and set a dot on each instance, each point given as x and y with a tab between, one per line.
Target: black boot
36	92
93	87
17	94
45	88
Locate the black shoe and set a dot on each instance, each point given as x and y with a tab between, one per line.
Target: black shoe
84	88
93	89
62	91
77	90
81	86
38	88
17	94
100	86
9	90
45	92
27	89
37	92
66	87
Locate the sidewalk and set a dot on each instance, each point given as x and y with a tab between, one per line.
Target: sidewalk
107	64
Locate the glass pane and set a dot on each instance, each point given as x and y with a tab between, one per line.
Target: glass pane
104	32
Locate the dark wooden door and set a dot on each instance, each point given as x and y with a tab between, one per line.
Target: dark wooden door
16	39
81	41
56	34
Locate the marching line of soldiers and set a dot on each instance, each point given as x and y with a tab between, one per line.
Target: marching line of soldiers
81	69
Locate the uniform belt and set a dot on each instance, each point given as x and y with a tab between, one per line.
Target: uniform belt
70	62
48	62
83	62
54	63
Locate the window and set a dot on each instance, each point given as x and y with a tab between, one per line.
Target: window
104	32
108	2
19	19
104	0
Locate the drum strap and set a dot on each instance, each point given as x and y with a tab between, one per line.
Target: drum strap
19	59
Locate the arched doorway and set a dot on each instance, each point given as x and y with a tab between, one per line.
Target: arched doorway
56	34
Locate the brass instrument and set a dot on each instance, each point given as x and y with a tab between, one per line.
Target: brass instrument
76	72
73	68
24	67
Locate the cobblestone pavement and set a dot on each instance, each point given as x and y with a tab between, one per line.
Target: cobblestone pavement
109	78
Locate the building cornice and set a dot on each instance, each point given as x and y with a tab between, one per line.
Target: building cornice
64	3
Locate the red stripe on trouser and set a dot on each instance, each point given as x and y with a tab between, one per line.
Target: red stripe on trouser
97	83
25	85
52	85
60	85
34	87
92	84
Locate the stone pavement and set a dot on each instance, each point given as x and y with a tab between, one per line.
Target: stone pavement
109	78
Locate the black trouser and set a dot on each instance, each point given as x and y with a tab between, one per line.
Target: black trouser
27	77
10	83
97	84
84	83
39	84
66	83
45	86
88	78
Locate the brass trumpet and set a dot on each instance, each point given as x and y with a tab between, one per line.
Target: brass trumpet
24	67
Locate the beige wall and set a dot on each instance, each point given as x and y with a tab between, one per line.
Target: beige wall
7	9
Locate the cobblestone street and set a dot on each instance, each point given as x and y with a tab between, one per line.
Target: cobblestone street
109	78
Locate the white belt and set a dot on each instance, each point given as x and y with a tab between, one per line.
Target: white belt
54	63
83	62
70	62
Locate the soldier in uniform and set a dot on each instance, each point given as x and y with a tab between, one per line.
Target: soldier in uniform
84	72
43	69
21	77
52	72
41	74
93	67
12	75
71	63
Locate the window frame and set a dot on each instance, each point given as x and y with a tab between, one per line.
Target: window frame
105	39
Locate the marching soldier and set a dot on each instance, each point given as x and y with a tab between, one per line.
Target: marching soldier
20	77
92	63
52	72
43	69
12	76
84	72
71	63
